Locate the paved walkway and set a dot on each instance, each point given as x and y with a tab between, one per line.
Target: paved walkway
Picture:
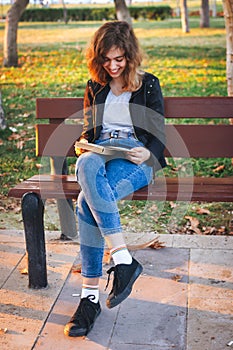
182	301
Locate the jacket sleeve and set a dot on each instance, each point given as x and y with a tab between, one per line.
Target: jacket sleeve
87	132
155	121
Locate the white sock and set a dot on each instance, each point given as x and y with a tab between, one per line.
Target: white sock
121	255
89	290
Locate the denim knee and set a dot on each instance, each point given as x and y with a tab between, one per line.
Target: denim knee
87	166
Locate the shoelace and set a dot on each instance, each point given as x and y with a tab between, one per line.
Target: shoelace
112	269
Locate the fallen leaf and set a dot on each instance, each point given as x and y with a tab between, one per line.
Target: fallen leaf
154	244
176	278
17	209
219	168
2	209
209	231
153	208
157	245
172	205
27	160
107	257
76	268
20	144
14	136
194	222
26	115
3	330
39	166
222	230
202	211
139	211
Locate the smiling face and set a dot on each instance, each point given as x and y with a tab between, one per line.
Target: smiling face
115	62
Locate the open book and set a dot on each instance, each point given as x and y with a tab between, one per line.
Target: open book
108	150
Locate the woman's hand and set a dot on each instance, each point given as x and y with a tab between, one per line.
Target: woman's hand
78	150
138	155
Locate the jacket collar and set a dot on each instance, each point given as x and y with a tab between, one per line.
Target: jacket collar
103	90
101	93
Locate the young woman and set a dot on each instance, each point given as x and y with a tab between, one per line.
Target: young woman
123	106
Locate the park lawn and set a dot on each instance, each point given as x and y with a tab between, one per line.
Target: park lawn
52	64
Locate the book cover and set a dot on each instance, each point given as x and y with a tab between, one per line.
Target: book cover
107	150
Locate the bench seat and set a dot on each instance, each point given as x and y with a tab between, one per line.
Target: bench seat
206	189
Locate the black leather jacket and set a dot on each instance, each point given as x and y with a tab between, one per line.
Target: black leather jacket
146	109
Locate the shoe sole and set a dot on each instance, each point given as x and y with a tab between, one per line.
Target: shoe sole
82	333
126	292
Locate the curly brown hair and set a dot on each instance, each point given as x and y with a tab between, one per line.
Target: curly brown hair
121	35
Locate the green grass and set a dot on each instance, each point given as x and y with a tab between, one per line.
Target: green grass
52	63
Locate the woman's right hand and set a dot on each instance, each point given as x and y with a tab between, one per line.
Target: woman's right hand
79	150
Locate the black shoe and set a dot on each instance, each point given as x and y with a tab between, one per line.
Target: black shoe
83	319
124	278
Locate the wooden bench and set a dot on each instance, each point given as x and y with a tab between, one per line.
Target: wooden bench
55	138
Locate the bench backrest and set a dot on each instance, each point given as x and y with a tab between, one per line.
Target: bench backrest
183	140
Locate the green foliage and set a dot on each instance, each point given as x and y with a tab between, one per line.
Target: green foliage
150	12
93	13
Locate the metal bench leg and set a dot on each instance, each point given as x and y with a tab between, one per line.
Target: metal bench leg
65	206
33	212
67	218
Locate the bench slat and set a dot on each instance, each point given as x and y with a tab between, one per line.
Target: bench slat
175	107
170	180
59	108
182	140
205	141
53	140
198	107
180	189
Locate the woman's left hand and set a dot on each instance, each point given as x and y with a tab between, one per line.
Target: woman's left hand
138	155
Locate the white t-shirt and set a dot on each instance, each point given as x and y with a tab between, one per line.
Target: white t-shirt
116	113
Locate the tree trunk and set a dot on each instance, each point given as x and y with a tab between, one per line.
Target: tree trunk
65	15
177	9
2	115
214	8
228	15
10	58
122	11
184	16
205	14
